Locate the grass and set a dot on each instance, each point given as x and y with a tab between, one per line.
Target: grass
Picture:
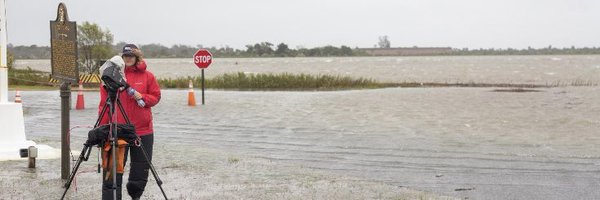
284	81
233	160
32	87
516	90
29	79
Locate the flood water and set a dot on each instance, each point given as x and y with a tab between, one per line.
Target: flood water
481	69
461	142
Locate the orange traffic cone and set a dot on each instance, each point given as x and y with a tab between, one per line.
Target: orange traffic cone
191	96
18	97
80	104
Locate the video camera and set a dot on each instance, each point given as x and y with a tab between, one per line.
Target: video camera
112	74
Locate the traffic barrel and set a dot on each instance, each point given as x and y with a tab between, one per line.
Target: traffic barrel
191	96
18	97
80	103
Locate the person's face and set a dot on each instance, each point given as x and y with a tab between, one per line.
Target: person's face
129	60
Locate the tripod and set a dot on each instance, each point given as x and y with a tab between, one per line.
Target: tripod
111	104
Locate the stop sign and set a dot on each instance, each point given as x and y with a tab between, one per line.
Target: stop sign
202	58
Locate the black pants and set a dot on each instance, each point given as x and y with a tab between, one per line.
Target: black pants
138	171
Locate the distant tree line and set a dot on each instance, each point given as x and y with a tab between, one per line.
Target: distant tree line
29	52
267	49
263	49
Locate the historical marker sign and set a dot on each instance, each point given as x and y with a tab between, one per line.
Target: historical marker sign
63	42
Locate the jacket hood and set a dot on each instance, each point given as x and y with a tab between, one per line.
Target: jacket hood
140	67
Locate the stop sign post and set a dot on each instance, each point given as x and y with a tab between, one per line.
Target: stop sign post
202	59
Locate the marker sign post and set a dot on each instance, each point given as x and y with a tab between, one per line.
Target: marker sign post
203	58
63	45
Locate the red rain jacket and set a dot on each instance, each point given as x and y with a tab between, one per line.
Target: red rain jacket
145	83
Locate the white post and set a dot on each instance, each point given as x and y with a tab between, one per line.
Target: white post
12	123
3	54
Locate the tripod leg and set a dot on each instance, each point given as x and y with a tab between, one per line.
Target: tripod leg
156	177
85	153
101	114
114	169
123	111
114	140
75	168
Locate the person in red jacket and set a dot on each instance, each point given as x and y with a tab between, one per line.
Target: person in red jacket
145	88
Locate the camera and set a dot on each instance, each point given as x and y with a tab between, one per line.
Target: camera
112	74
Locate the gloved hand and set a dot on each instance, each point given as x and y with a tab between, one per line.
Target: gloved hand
137	96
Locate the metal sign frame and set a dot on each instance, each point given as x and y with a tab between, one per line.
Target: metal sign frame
63	43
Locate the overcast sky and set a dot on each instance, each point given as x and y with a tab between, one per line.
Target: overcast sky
310	23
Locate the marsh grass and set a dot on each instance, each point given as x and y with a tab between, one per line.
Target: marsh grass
28	77
33	79
516	90
283	81
287	81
